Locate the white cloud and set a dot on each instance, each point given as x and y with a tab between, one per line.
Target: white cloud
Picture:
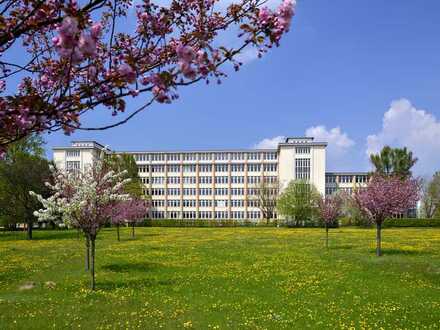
270	143
340	153
338	142
405	126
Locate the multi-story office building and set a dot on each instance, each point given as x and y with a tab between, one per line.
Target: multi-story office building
219	184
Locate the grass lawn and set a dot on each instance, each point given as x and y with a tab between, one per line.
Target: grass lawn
217	278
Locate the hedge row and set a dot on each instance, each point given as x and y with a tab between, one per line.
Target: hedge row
204	223
411	222
229	223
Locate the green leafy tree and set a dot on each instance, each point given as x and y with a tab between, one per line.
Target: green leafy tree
393	161
22	170
298	202
431	197
128	163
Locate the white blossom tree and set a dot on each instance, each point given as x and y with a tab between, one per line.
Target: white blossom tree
81	200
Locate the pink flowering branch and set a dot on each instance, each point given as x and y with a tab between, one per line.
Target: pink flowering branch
79	56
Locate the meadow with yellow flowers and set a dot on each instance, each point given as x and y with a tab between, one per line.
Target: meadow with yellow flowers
223	278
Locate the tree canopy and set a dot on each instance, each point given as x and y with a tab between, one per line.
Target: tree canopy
393	161
298	202
22	170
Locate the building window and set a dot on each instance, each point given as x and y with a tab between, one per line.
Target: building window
346	179
254	167
330	179
72	153
73	165
361	178
221	167
173	157
302	150
302	168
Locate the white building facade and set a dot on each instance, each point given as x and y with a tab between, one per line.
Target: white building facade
219	184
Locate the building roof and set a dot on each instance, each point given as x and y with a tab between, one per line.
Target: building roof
347	173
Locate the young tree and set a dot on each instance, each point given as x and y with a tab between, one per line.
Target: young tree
298	202
81	55
23	169
83	199
131	211
134	211
385	197
431	196
330	209
266	197
393	161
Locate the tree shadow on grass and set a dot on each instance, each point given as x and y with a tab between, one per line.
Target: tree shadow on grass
132	267
397	252
39	235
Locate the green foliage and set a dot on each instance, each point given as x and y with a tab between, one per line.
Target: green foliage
128	163
353	216
393	161
411	222
298	204
32	145
23	170
431	197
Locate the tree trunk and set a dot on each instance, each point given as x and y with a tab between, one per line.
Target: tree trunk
29	230
117	231
326	235
378	239
87	253
92	263
132	230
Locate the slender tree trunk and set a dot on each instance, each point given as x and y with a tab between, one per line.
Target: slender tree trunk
29	230
132	230
117	231
326	235
92	263
378	239
87	253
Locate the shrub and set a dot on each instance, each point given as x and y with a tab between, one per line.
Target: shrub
411	222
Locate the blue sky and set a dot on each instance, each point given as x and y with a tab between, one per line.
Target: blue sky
358	68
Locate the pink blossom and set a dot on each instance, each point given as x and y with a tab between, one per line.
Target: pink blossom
95	30
127	73
185	53
87	45
188	71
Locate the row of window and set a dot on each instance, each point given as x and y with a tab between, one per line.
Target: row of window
332	190
347	178
206	156
72	153
207	179
205	215
208	191
205	203
302	150
186	168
